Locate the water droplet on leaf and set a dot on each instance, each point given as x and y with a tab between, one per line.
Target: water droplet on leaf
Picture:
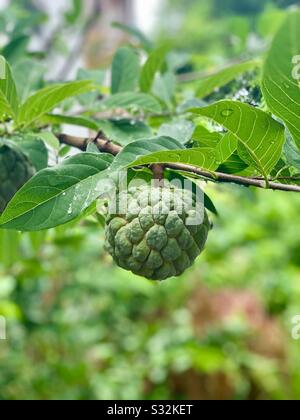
227	112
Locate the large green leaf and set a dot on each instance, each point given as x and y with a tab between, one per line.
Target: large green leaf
136	33
44	100
164	87
9	102
58	119
153	65
209	84
260	136
125	71
281	76
226	147
163	150
132	101
57	195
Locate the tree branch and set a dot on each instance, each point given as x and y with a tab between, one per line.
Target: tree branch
107	146
77	49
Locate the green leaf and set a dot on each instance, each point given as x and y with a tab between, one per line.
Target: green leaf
146	43
181	130
163	150
281	76
209	205
222	78
58	195
202	158
92	148
233	165
28	75
226	147
9	102
57	119
132	101
152	66
36	151
206	138
44	100
291	152
143	147
125	71
95	76
124	131
164	87
261	137
75	13
16	48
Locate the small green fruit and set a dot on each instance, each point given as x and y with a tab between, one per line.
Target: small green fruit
161	233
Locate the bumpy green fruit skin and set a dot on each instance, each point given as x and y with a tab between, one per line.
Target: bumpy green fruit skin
15	171
153	241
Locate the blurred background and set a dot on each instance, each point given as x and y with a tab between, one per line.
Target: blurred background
79	328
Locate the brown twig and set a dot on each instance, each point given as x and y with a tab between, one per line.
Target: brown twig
107	146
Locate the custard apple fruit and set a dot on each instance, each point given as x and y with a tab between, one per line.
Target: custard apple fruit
161	232
15	171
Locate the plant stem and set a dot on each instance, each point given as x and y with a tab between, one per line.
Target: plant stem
107	146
